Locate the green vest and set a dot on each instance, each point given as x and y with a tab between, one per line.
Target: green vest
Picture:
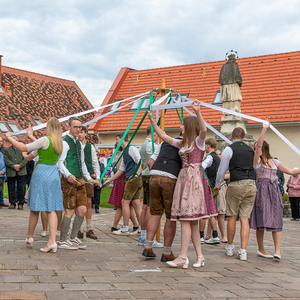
73	159
88	157
145	157
48	156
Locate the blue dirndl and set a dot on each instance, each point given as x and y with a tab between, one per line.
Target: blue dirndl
45	189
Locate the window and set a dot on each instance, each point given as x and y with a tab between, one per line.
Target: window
115	105
38	121
217	99
12	126
3	127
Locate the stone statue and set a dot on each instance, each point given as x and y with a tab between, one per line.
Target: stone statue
231	80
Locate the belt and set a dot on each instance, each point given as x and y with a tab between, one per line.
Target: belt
163	177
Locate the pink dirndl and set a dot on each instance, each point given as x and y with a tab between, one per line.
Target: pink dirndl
192	198
117	191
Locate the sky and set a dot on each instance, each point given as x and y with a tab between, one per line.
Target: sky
90	41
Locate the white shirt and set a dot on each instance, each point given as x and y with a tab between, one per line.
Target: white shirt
134	153
207	162
95	163
61	163
224	164
41	143
157	172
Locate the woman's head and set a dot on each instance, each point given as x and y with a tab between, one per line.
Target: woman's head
190	129
54	131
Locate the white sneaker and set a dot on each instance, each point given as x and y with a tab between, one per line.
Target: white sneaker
57	232
78	243
136	232
229	250
121	231
202	240
156	244
242	255
44	233
213	240
66	245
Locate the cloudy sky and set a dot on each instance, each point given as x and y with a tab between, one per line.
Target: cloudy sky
90	40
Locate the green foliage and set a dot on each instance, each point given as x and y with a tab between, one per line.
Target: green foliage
285	198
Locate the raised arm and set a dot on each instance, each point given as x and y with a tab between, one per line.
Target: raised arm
159	132
260	141
16	144
196	108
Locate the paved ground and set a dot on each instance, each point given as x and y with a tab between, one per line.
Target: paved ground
113	268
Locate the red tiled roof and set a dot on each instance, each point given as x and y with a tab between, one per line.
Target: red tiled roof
29	94
270	89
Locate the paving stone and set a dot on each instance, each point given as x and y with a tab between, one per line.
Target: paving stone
41	287
148	295
140	286
87	287
21	295
66	295
108	295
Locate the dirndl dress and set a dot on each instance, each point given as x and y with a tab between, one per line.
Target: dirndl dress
193	199
267	212
117	191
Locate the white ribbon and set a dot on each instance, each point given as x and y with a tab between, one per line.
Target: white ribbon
37	127
102	116
189	102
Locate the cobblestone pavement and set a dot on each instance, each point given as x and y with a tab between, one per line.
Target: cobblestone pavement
112	267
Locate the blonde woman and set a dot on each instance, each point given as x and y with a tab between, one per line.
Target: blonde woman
45	188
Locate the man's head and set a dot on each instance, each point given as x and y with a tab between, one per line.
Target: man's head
82	134
148	134
210	145
238	133
119	136
74	126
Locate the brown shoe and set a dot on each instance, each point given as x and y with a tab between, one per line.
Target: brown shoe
4	204
80	234
167	257
148	252
12	206
20	206
90	234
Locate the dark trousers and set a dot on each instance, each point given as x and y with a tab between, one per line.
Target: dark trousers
11	181
97	194
295	207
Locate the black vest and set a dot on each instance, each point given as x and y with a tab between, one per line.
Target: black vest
168	160
241	163
211	171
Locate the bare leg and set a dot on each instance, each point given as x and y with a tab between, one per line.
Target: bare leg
231	229
125	212
118	216
33	219
52	218
133	217
202	223
169	232
143	217
59	217
137	207
88	208
186	233
260	241
276	238
221	224
245	232
152	226
44	218
196	240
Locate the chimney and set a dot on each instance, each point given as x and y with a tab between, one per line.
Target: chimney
0	71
